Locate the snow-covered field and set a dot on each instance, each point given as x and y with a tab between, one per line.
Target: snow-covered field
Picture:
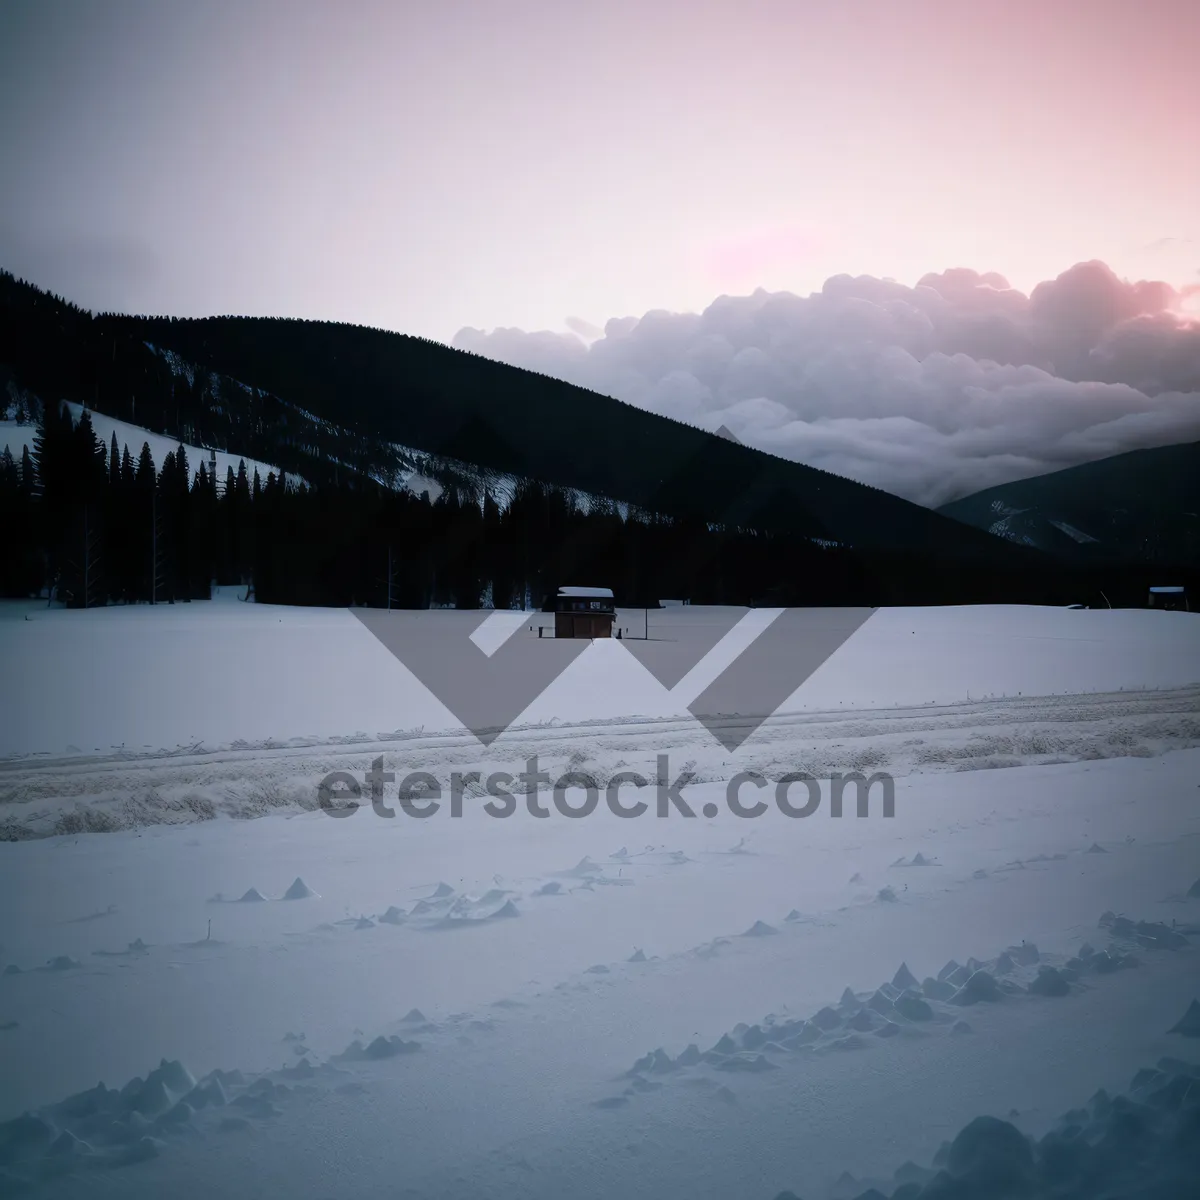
547	959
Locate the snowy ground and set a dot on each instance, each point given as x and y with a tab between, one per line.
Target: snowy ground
514	937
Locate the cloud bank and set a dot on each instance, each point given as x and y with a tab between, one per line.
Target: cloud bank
931	392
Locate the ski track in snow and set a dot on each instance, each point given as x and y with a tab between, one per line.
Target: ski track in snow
99	793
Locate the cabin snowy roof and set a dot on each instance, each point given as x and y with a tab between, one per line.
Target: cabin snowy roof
590	593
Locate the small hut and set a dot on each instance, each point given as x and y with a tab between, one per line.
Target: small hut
1169	597
583	612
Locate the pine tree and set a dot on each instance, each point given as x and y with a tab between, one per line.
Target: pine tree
83	578
145	535
10	520
145	467
52	487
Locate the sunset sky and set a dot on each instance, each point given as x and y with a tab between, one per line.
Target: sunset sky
426	167
948	203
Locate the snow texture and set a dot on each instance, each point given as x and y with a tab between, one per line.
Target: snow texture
530	1008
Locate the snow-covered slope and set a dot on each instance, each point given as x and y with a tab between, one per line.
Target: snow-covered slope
1144	505
414	471
17	437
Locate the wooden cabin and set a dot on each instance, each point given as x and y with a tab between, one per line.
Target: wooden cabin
583	612
1169	597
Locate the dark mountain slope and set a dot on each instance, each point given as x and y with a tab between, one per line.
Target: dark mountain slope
1143	506
390	388
56	351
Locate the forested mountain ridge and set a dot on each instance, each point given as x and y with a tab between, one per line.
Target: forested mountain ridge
1143	505
292	391
429	476
399	389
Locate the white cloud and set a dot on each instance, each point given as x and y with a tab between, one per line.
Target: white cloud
932	391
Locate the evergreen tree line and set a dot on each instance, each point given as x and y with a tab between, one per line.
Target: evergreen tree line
90	525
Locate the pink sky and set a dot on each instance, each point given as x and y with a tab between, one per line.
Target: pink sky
428	167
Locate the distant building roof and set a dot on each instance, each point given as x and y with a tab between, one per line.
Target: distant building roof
1173	590
590	593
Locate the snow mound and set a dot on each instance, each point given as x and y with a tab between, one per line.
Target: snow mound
936	989
61	962
912	1006
1143	1144
1026	954
380	1048
1049	982
253	896
904	978
827	1018
1189	1024
583	868
299	891
760	929
979	986
881	1002
390	1047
